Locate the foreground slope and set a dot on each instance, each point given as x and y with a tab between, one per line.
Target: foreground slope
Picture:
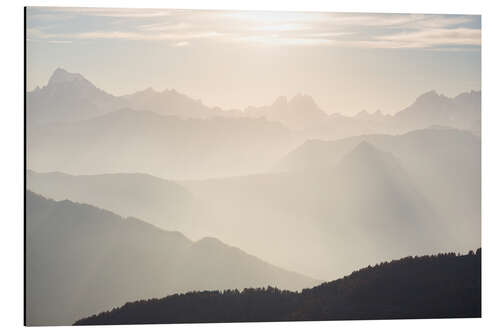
81	260
442	286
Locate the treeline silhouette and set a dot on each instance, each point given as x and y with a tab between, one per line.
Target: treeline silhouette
437	286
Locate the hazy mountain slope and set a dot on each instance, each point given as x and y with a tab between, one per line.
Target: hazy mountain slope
163	203
171	102
128	141
462	111
81	260
441	286
68	97
366	206
429	109
445	165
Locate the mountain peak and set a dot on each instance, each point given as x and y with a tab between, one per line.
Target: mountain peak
366	153
62	76
210	242
429	97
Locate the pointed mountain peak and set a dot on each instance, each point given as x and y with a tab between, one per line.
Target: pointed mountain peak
366	154
305	104
429	97
62	76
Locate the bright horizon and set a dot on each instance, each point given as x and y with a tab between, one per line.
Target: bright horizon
234	59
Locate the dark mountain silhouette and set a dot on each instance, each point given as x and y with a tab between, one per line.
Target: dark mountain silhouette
81	260
438	286
128	141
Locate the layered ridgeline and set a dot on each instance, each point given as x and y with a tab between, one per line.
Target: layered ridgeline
418	193
374	197
129	141
163	203
444	164
81	260
75	127
442	286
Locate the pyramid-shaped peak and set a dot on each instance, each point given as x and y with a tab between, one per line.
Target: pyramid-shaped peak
367	152
62	76
366	156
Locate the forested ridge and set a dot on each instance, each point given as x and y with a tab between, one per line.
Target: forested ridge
436	286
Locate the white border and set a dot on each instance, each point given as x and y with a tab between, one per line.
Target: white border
11	141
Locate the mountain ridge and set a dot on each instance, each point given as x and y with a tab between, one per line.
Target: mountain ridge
299	113
75	252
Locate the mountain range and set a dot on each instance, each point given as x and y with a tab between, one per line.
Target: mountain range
310	191
397	195
129	141
81	259
71	97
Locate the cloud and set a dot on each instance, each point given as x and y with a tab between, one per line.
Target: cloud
181	44
435	37
60	41
262	28
104	12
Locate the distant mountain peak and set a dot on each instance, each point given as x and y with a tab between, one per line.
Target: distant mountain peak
366	154
210	242
62	76
429	97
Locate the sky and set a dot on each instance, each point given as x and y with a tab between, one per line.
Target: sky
347	62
